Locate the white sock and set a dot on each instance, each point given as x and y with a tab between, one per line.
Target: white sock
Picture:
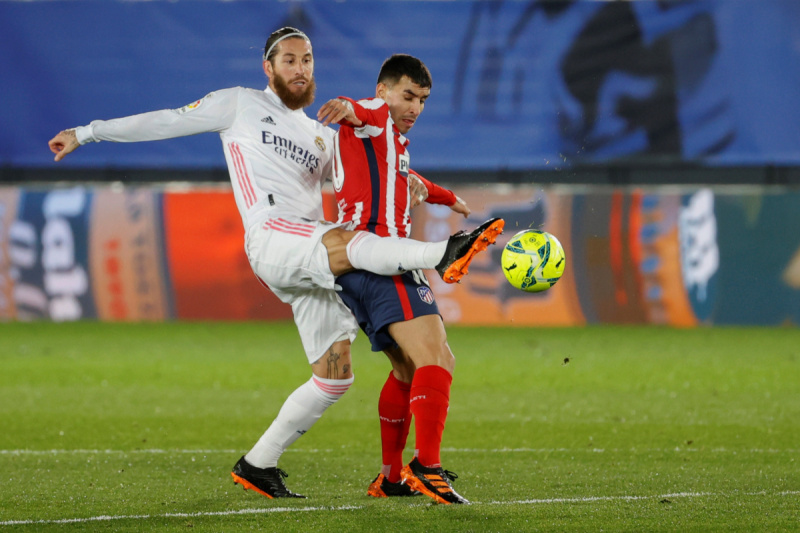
389	256
300	411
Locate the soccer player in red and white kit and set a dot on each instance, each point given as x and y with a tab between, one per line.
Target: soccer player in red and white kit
398	313
278	159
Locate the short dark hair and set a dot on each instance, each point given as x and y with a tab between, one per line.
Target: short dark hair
399	65
270	49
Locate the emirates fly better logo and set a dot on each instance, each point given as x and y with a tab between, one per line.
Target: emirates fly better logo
288	149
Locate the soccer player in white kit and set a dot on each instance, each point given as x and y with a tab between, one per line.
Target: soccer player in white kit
278	159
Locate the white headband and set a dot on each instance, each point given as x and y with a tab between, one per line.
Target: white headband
295	34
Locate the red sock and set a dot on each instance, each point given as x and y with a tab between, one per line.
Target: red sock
395	415
430	399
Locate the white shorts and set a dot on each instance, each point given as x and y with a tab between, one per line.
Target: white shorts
288	256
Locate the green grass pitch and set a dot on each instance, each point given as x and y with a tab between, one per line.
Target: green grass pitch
134	427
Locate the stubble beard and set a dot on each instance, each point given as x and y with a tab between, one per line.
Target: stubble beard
291	100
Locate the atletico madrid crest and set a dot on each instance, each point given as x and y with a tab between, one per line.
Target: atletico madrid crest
425	294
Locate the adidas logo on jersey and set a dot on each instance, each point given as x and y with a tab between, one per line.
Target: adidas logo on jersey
268	120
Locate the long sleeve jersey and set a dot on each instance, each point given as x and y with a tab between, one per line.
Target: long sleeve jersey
277	158
371	173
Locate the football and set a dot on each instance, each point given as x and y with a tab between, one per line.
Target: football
533	261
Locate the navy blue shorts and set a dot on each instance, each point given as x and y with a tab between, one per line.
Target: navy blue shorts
378	301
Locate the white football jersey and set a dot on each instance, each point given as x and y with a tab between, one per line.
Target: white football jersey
277	158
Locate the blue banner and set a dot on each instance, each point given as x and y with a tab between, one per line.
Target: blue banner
517	84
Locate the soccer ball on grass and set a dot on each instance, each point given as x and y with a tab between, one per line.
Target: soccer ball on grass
533	260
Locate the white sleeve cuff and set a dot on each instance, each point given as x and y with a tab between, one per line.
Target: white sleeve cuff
85	134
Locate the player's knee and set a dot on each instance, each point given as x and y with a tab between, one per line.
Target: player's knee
447	360
335	241
436	353
442	354
405	371
342	372
336	363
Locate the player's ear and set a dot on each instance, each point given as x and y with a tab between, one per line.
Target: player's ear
268	69
380	91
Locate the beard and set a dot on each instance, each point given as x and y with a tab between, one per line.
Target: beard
291	100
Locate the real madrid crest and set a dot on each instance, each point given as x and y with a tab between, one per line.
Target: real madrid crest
320	143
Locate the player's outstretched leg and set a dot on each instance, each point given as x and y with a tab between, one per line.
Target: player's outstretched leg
383	488
462	248
265	481
435	483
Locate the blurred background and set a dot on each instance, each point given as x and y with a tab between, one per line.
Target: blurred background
659	140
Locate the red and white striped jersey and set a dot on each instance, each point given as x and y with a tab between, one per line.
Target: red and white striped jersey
277	158
370	175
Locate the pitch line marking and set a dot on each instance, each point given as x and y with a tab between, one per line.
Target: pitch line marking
108	518
540	501
156	451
